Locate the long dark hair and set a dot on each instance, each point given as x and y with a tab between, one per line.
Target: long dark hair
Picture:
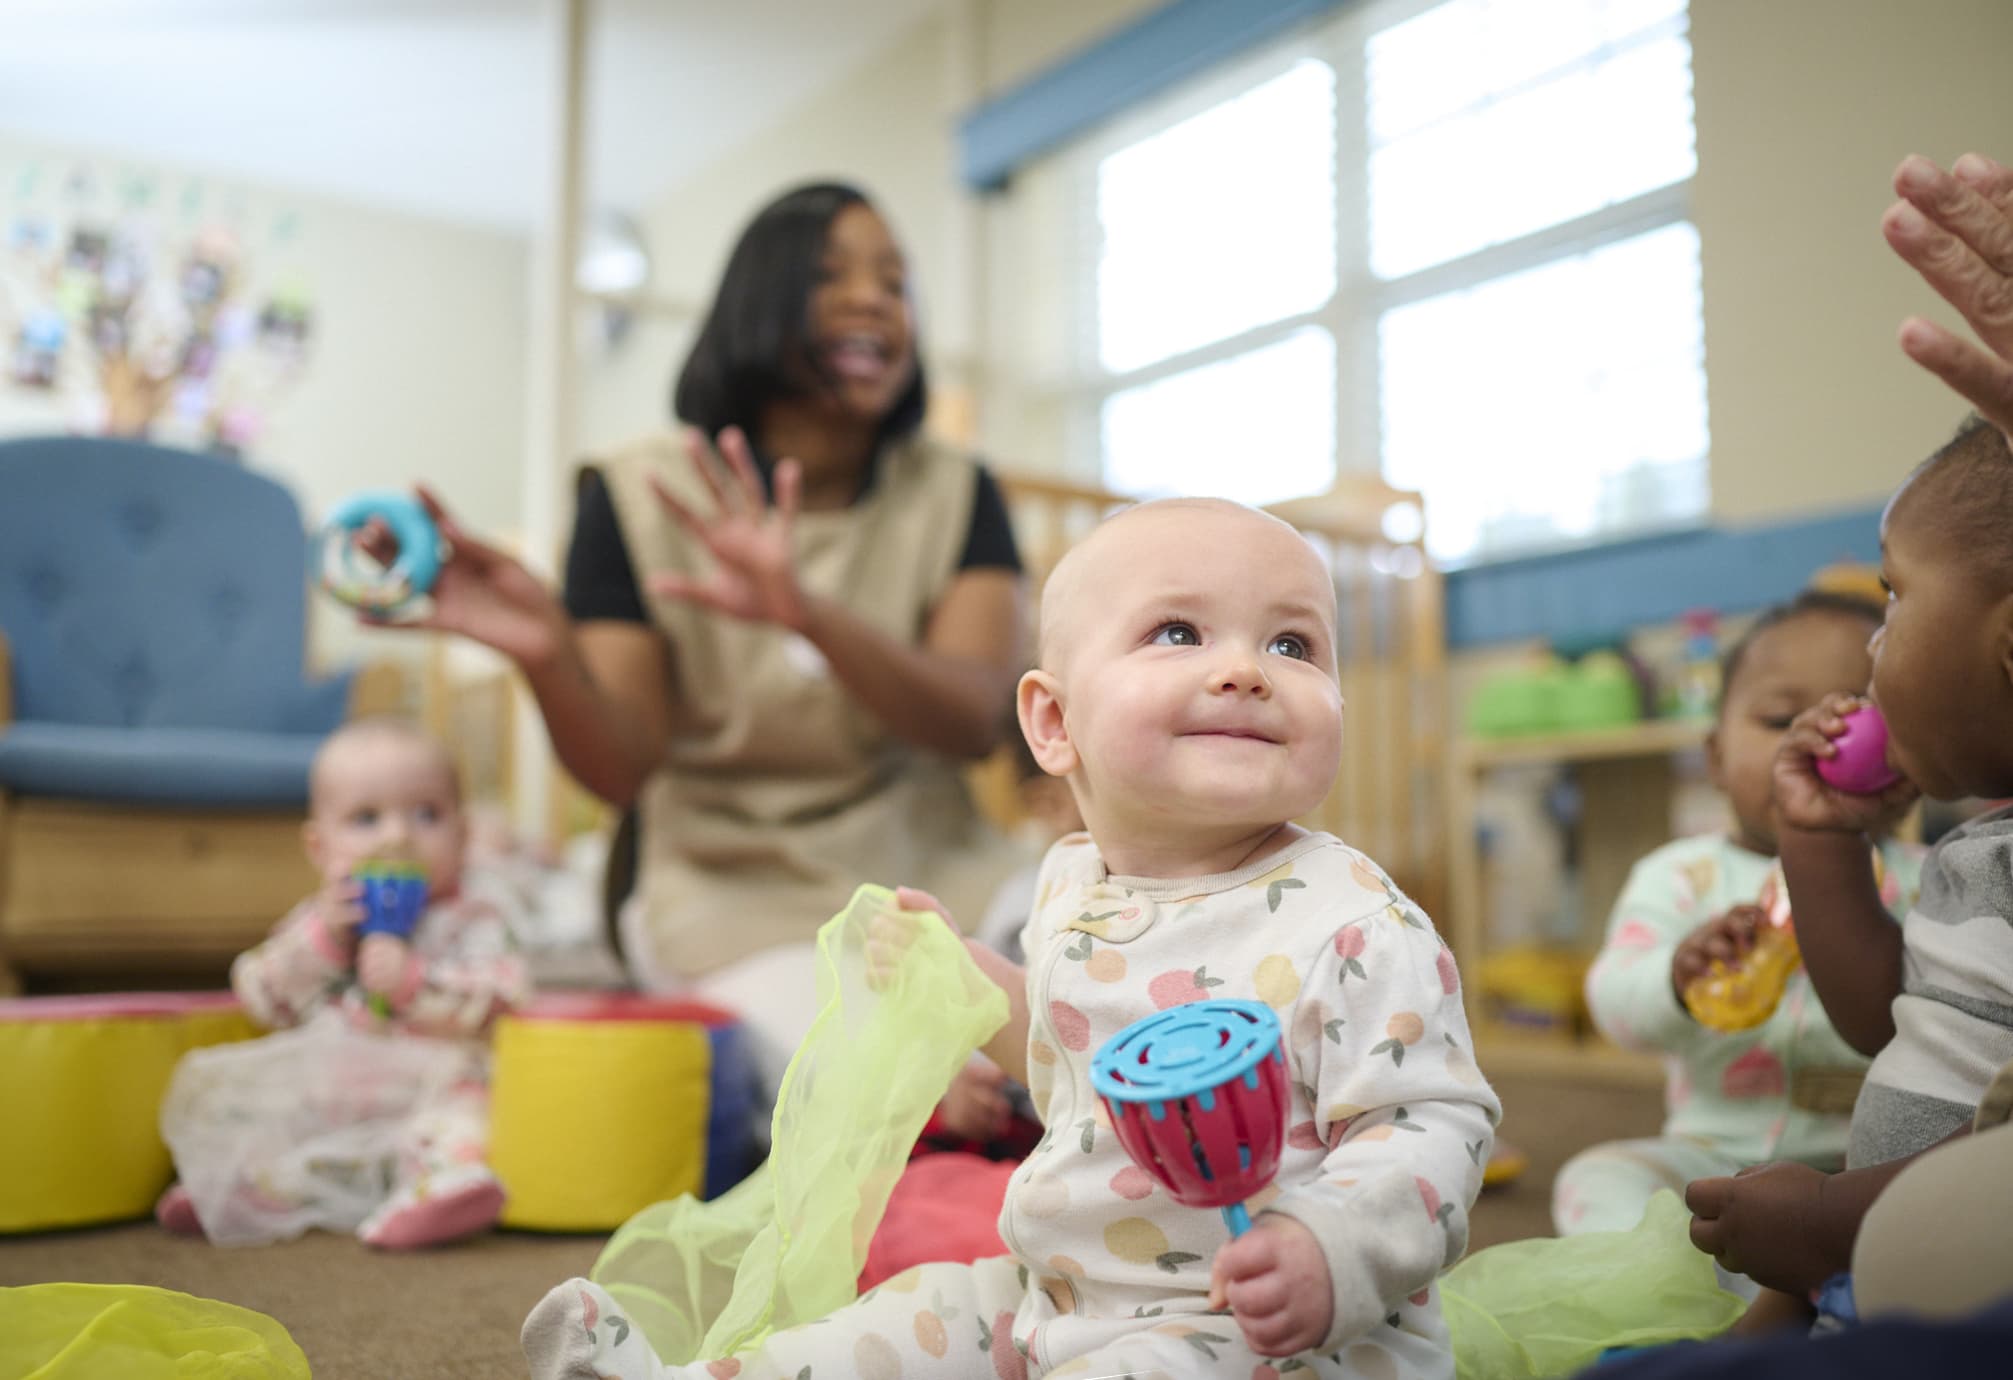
751	350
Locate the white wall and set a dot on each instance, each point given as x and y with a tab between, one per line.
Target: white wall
890	126
887	128
1804	108
416	369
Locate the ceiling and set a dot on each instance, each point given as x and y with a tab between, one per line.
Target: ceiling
439	108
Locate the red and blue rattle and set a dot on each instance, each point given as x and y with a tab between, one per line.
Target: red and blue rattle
1860	768
356	577
1198	1097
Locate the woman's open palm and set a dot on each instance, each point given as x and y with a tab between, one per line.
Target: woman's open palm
754	575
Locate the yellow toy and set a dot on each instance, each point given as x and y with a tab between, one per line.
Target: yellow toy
81	1079
134	1332
1742	996
604	1103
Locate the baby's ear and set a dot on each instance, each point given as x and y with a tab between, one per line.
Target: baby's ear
1038	701
2002	637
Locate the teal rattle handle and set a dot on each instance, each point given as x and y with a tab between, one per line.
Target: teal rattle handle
411	574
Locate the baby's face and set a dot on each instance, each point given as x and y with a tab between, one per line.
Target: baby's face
382	797
1939	666
1196	655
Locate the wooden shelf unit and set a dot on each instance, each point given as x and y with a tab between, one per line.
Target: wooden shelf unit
1626	781
1501	1048
1651	737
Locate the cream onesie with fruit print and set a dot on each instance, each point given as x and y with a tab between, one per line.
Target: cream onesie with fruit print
1389	1127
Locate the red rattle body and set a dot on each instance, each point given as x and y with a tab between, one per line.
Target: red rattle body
1197	1096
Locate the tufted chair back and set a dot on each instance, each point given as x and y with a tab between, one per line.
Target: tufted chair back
142	587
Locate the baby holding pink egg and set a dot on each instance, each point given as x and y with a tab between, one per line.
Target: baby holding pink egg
1932	1000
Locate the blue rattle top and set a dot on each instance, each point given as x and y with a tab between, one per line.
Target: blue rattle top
1185	1051
351	575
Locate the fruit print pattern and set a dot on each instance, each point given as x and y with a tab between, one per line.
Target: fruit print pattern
1108	1275
1734	1092
1349	964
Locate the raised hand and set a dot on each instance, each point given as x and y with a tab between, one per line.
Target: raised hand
1955	228
893	932
482	592
754	575
1804	800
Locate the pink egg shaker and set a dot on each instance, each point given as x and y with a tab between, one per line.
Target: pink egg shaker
1861	765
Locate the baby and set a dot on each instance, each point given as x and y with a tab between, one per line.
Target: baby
1933	1000
1187	691
1782	1089
380	790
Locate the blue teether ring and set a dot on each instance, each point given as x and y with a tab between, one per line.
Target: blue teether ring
409	577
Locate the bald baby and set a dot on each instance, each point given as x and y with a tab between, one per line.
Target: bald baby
374	739
1168	524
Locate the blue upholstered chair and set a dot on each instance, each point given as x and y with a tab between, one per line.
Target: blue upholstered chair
156	723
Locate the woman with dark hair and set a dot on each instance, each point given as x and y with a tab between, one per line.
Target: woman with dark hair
780	634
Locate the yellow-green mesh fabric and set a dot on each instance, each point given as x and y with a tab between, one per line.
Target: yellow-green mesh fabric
1551	1306
786	1245
93	1331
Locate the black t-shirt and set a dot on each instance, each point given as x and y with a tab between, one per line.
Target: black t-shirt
601	579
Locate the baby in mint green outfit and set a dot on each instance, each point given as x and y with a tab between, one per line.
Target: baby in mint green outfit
1784	1089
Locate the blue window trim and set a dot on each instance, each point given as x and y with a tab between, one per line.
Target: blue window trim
1128	66
1600	592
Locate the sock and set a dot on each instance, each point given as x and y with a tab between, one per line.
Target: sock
438	1209
176	1211
577	1332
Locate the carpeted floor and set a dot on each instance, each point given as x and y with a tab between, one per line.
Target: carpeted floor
454	1314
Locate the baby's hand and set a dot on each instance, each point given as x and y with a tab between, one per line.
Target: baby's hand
339	906
381	963
1722	939
975	1108
1767	1222
1804	800
1275	1281
891	932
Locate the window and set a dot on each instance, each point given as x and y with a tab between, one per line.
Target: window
1447	240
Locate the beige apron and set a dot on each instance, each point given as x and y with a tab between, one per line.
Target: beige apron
779	792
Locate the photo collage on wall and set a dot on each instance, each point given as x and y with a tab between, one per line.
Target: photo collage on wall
147	305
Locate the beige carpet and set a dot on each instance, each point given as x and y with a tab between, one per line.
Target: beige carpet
454	1314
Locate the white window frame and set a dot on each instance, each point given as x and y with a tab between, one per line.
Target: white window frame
1351	315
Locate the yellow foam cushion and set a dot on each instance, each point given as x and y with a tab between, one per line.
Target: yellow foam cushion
598	1109
82	1079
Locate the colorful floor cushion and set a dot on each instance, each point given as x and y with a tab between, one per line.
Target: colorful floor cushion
81	1079
604	1103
